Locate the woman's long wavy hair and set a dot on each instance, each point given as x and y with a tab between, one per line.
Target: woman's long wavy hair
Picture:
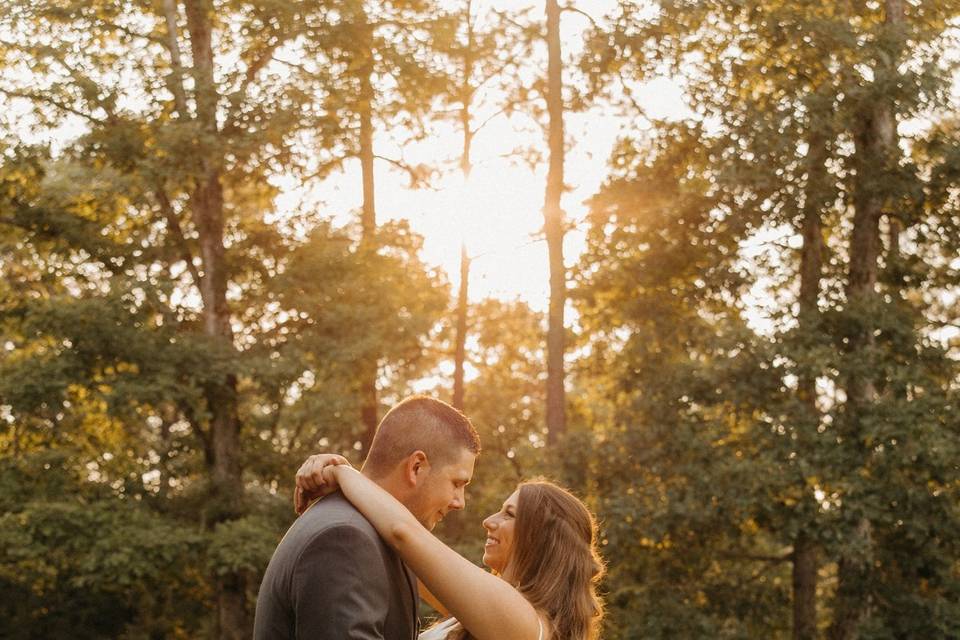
555	563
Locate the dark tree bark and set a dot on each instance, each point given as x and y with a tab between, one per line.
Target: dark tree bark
206	203
851	604
818	194
370	370
875	140
460	352
804	588
175	82
466	93
553	228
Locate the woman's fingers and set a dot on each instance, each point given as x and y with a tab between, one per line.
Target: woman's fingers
310	474
300	501
329	477
303	480
310	482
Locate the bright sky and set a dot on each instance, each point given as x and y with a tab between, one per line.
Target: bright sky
499	214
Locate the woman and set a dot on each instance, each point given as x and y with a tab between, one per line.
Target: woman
541	546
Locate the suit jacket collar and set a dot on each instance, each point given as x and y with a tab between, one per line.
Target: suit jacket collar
414	598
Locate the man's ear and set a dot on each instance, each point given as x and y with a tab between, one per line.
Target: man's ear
416	467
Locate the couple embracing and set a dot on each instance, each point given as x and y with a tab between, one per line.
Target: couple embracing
356	562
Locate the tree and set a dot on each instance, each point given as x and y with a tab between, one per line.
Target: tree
385	77
505	403
680	381
157	215
793	114
554	229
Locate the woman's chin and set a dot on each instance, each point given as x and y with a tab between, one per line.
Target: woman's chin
489	562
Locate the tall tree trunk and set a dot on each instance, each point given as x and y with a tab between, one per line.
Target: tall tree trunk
851	604
553	228
875	156
804	588
370	371
221	396
467	91
816	200
460	352
466	166
175	81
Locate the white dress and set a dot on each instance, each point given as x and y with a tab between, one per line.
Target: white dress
440	631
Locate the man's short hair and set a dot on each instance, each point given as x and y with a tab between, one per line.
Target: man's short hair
420	423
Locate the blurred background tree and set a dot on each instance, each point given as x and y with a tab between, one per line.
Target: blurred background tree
761	386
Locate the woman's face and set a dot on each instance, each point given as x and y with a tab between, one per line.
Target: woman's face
500	529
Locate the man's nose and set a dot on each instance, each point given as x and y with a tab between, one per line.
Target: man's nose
458	501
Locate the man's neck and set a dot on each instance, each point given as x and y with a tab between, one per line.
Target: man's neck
388	483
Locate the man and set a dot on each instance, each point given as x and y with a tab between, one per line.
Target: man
332	577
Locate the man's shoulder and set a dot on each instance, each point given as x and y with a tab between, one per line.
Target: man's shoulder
334	514
335	510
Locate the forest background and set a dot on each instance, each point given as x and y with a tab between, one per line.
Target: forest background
746	362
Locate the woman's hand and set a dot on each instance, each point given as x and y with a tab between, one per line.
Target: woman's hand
312	483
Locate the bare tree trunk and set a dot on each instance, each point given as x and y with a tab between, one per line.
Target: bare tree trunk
175	82
369	209
466	96
221	397
553	228
804	588
466	166
851	604
817	198
370	371
875	154
460	352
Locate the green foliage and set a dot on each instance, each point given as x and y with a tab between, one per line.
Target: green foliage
691	428
505	402
715	459
241	545
79	562
109	254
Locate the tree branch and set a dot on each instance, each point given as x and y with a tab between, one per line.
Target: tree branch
173	224
36	97
416	177
487	121
293	65
628	94
89	89
133	34
786	557
573	9
173	45
191	417
251	73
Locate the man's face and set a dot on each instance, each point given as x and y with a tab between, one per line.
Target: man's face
442	489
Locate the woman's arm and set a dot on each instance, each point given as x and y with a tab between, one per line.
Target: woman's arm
488	607
431	599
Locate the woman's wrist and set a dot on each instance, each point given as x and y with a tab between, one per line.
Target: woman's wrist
340	469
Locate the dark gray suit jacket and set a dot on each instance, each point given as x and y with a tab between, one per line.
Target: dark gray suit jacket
333	578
